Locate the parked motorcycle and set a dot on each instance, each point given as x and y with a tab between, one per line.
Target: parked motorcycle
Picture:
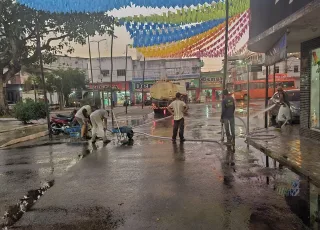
59	124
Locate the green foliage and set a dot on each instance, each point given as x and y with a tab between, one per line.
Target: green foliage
66	80
58	33
29	110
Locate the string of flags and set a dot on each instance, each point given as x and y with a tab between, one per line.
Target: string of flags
192	28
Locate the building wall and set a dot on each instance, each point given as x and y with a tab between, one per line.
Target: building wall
171	68
65	62
305	80
293	69
118	74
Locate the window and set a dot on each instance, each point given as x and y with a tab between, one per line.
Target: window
277	69
244	86
315	90
105	72
121	72
261	85
296	69
293	95
195	69
287	84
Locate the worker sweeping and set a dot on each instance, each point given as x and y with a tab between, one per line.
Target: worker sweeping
227	116
284	114
83	118
99	121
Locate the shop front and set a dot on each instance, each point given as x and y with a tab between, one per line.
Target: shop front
118	89
137	91
192	88
292	28
310	87
211	88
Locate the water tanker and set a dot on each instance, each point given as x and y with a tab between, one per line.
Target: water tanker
163	93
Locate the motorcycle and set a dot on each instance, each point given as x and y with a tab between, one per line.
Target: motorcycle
60	123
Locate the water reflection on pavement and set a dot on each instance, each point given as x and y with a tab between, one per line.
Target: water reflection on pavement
155	184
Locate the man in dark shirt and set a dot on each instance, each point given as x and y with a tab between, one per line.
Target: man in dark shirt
227	115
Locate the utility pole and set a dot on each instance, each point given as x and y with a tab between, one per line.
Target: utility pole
226	46
111	74
125	81
143	73
91	70
42	76
102	92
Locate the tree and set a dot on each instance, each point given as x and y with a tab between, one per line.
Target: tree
65	81
57	31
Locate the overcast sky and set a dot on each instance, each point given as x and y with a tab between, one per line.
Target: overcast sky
124	38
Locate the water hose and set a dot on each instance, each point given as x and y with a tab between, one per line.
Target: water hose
254	135
189	140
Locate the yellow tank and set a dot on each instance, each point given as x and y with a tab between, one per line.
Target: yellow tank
165	90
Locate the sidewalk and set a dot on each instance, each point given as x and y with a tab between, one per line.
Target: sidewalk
299	154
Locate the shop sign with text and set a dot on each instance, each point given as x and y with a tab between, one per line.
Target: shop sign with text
211	82
138	85
106	86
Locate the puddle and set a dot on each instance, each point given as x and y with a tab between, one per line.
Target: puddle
301	196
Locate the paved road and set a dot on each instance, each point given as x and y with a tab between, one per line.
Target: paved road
157	185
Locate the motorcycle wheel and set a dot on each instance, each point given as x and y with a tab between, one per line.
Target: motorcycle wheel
54	129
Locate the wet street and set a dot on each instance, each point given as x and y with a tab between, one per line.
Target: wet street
155	184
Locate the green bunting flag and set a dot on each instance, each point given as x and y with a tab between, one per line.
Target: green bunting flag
193	15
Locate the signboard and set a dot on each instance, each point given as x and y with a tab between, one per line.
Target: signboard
255	68
120	86
277	53
211	82
267	13
137	86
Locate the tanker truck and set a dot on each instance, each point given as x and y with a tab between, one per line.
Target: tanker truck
163	93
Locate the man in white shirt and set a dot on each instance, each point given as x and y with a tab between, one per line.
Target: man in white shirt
178	108
99	119
83	117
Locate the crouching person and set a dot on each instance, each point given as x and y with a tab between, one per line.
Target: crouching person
83	118
99	122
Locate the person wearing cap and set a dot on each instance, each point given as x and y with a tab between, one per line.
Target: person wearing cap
227	115
178	108
98	119
83	118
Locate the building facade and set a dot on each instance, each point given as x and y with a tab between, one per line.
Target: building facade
181	71
297	24
289	68
211	85
101	78
130	83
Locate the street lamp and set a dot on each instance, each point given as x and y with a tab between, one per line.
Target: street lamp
100	67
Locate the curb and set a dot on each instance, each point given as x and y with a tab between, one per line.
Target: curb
22	127
23	139
46	143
